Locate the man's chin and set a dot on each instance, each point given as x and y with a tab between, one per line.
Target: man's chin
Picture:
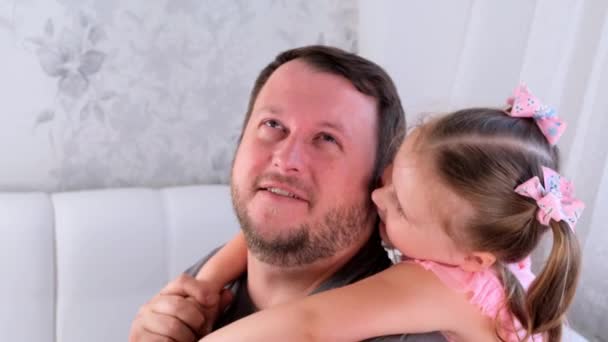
271	220
273	231
285	214
279	247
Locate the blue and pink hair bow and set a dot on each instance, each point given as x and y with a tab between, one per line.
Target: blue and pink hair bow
525	105
555	200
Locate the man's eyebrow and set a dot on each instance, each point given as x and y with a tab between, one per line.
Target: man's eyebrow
269	109
336	126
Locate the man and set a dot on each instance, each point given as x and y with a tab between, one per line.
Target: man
321	126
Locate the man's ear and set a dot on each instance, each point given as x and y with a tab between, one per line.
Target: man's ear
478	261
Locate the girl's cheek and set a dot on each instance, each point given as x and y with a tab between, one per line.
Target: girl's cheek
387	175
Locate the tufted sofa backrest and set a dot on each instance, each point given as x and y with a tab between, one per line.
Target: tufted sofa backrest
76	266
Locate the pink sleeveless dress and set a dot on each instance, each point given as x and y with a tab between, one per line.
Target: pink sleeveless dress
486	292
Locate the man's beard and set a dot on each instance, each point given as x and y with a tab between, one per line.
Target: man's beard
337	230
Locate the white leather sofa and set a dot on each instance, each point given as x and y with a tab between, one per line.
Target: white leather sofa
76	266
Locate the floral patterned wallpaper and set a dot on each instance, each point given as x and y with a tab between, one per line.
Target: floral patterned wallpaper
108	93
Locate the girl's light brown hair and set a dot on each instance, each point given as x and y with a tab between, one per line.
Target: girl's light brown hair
483	155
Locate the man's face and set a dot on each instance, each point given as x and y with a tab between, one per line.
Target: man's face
301	173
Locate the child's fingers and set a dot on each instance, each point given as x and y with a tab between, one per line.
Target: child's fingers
211	313
186	286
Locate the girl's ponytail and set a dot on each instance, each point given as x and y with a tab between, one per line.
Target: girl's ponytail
553	290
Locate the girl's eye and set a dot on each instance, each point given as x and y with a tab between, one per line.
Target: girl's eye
400	210
396	203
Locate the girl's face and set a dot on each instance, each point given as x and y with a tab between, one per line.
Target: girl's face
417	209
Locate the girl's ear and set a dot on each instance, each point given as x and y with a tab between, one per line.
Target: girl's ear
478	261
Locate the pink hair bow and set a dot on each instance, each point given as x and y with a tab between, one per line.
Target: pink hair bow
555	200
525	105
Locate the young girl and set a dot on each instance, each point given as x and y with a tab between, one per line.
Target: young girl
470	197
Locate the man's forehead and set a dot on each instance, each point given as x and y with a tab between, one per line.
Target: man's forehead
318	98
299	78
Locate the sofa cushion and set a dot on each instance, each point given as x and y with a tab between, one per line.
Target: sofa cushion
117	248
197	222
27	254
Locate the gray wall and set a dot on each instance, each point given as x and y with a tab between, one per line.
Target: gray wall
140	93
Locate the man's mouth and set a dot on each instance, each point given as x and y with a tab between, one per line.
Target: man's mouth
282	192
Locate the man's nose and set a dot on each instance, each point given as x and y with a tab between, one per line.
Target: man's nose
290	155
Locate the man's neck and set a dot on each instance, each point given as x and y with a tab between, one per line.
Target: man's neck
270	285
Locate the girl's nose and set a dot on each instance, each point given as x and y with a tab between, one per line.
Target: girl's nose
378	199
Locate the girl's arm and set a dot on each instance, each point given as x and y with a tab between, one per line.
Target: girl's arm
227	264
402	299
222	268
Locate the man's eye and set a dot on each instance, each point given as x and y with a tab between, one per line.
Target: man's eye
273	124
328	138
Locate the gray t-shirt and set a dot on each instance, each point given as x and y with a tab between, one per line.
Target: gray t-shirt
371	259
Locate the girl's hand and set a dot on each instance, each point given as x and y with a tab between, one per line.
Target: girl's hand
183	311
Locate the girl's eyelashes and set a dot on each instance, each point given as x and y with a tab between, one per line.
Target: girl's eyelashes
395	201
400	209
